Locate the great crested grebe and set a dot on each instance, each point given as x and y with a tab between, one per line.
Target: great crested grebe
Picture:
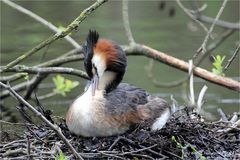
106	107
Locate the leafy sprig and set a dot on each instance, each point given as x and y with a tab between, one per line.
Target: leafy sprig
217	65
62	85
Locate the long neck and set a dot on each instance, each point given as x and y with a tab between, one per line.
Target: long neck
106	80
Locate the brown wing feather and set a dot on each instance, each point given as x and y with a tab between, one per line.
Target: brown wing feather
130	104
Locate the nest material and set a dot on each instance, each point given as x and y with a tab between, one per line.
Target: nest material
181	138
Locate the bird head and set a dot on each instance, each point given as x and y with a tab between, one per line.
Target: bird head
105	62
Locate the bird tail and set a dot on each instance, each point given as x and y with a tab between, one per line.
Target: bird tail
165	110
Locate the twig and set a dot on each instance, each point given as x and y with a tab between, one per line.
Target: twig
156	83
111	155
13	152
206	19
60	61
173	154
64	70
55	128
28	148
220	23
74	25
51	94
191	16
126	22
200	98
54	62
220	39
13	77
191	87
198	10
18	87
13	142
144	156
11	123
31	88
214	45
232	58
139	150
114	143
202	48
222	114
43	73
234	118
41	20
170	84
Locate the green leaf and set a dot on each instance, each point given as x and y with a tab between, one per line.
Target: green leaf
61	156
217	65
26	76
63	85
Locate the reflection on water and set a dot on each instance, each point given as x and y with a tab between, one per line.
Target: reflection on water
151	25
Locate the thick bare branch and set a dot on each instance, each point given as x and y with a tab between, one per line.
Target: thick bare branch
136	50
182	65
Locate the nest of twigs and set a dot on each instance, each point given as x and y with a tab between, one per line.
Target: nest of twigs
182	138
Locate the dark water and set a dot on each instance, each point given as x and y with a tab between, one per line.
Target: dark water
150	26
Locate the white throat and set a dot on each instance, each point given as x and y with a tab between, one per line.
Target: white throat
105	77
100	64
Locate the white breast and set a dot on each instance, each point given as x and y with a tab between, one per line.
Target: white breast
81	118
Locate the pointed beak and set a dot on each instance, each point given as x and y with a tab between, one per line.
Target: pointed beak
95	81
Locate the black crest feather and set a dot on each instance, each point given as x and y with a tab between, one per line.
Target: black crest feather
91	41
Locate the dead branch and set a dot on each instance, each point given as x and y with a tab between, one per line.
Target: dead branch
63	70
182	65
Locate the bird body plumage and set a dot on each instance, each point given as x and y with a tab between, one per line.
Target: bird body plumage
106	107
